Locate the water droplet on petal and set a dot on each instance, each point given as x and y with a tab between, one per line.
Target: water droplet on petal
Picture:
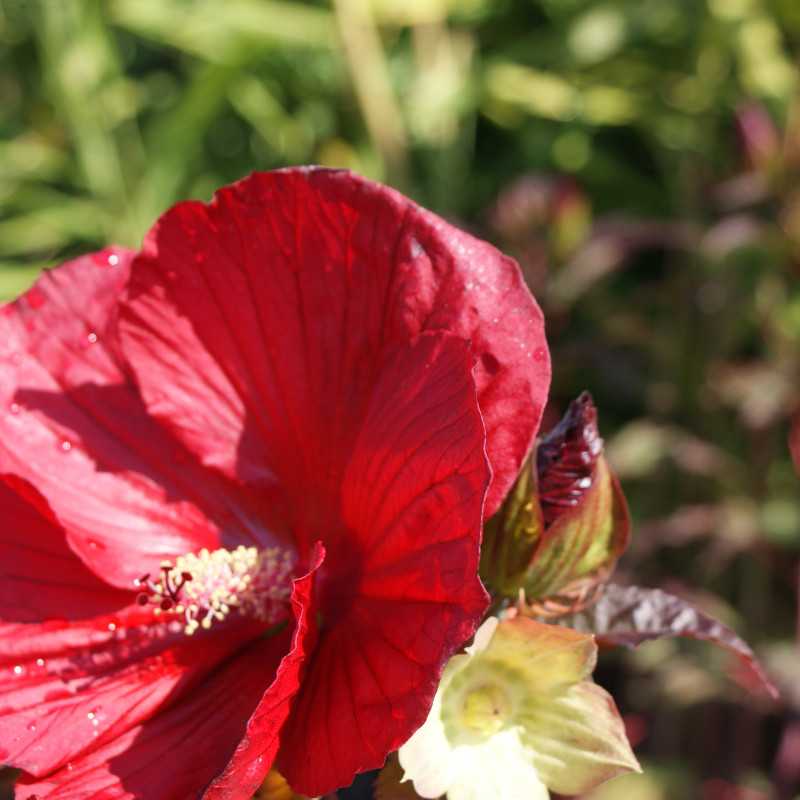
103	259
32	727
14	408
66	445
19	670
539	354
91	338
93	545
40	662
36	297
70	766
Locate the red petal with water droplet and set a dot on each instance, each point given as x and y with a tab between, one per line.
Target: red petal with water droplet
66	687
313	336
256	325
76	666
40	577
228	724
73	424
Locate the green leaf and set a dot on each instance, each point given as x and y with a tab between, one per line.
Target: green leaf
51	228
14	280
246	25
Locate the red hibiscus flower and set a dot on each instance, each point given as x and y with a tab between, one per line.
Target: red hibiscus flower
244	476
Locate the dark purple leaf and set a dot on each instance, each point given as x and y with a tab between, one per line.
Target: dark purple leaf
630	615
566	458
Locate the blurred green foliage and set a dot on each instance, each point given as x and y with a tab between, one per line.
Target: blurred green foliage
639	157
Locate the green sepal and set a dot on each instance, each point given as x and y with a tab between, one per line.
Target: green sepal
511	535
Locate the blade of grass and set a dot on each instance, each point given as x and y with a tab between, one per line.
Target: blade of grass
77	59
205	29
369	73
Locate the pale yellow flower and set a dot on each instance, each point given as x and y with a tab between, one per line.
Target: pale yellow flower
516	715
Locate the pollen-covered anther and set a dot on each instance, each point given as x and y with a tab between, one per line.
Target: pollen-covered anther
210	585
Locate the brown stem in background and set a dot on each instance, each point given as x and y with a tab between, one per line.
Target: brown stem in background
366	62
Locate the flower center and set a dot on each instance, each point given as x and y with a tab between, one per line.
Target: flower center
485	710
210	585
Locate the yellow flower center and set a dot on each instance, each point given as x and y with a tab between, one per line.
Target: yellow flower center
485	710
210	585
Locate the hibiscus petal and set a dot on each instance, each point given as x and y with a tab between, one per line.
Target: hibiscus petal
227	725
254	755
405	594
67	687
40	577
256	325
72	423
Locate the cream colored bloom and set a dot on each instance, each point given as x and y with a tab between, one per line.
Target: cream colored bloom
518	715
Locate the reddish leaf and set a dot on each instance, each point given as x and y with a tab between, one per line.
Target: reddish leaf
566	458
630	615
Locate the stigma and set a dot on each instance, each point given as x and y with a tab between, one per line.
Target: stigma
209	586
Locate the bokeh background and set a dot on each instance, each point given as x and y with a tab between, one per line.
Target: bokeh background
640	158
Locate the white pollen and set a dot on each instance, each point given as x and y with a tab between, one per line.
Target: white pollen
208	586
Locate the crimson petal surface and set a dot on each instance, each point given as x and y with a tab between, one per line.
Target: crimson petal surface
73	424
